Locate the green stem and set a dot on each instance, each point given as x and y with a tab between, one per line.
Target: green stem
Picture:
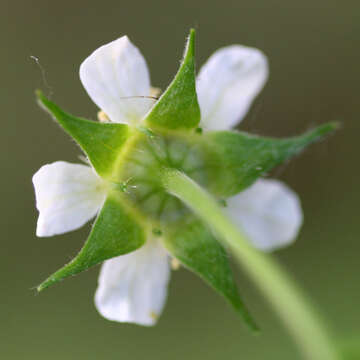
287	299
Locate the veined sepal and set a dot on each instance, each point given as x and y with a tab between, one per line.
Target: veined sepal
194	245
178	106
116	231
240	158
101	142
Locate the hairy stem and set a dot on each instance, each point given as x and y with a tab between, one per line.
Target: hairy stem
290	303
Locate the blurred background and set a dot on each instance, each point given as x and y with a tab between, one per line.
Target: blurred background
314	57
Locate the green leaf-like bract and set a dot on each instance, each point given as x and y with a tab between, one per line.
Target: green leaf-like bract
178	107
114	233
101	142
194	246
240	158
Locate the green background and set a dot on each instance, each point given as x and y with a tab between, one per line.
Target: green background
313	50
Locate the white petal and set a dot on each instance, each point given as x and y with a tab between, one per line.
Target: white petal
114	72
268	212
228	83
133	287
67	196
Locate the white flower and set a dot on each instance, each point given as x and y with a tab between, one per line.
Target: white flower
133	287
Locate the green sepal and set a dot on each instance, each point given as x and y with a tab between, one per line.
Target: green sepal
114	233
192	243
178	107
238	158
101	142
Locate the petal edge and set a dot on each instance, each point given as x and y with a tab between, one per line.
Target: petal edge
67	197
228	83
113	74
269	212
133	287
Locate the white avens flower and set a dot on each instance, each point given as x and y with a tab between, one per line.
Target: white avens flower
133	287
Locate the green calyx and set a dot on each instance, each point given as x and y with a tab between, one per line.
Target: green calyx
133	162
140	167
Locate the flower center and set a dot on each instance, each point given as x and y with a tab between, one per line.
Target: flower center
142	165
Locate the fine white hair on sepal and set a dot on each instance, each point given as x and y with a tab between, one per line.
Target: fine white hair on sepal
269	212
67	196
